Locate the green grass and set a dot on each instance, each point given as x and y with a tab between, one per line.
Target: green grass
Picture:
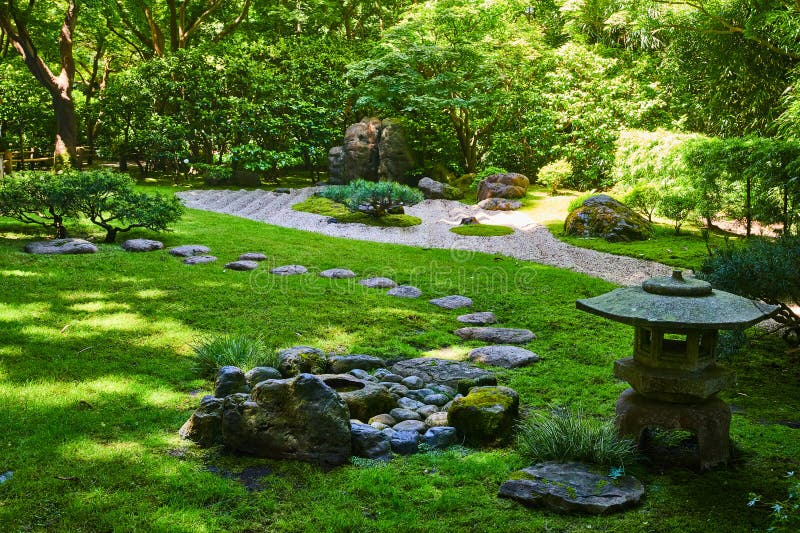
329	208
482	230
96	377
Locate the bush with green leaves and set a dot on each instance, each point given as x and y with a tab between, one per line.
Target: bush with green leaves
485	173
763	270
554	174
677	206
231	350
644	199
564	435
374	198
41	198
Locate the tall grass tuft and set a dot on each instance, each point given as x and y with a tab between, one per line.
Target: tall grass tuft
564	435
235	350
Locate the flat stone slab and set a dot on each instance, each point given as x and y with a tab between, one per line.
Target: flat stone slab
252	256
503	356
337	273
142	245
188	250
478	319
496	335
199	259
456	374
378	283
61	247
242	265
289	270
572	488
452	302
405	291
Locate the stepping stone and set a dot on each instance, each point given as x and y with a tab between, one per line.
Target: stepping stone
337	273
242	265
61	247
142	245
289	270
252	256
378	283
188	250
503	356
199	259
496	335
452	302
478	319
405	291
456	374
572	487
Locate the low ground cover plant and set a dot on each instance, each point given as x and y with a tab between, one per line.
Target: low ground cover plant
375	198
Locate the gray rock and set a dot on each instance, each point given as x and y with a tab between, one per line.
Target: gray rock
433	189
496	335
427	410
252	256
188	250
572	488
436	399
302	359
378	283
337	273
289	270
503	356
408	403
142	245
199	259
469	221
438	388
389	432
341	364
299	418
361	156
437	419
405	291
440	437
336	165
61	247
230	380
383	374
380	426
602	216
404	442
410	425
282	190
360	374
383	419
503	185
452	302
456	374
413	382
400	414
499	204
366	441
394	154
478	319
419	394
398	389
261	373
204	427
242	265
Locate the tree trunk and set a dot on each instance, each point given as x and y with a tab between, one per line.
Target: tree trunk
66	128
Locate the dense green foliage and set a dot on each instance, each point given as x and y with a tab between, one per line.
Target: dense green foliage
377	199
38	198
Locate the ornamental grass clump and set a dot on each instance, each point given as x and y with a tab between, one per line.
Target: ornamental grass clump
377	199
231	350
564	435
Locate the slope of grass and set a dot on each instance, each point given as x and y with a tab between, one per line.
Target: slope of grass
96	378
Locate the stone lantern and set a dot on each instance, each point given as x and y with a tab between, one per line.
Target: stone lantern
673	372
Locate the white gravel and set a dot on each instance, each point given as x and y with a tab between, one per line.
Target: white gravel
530	241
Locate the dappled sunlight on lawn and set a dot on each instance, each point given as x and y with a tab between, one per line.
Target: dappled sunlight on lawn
454	353
19	273
33	310
151	294
92	307
73	296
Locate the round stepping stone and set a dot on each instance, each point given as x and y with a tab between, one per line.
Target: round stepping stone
337	273
61	247
503	356
199	259
188	250
242	265
378	283
405	291
478	319
452	302
252	256
142	245
496	335
289	270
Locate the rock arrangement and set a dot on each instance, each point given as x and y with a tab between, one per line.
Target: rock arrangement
602	216
436	190
373	149
503	185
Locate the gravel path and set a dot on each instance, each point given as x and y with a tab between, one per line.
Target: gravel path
530	241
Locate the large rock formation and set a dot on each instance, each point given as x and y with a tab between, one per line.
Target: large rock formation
602	216
504	185
372	150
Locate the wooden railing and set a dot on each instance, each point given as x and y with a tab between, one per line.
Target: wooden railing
12	161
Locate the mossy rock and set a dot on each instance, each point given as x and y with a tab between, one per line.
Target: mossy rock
486	416
302	360
602	216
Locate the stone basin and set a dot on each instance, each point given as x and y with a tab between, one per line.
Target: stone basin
364	398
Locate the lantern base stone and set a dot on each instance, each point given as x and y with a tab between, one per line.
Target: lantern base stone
671	385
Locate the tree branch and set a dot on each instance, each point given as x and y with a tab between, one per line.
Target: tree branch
227	30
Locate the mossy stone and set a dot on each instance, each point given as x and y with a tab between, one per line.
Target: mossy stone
485	416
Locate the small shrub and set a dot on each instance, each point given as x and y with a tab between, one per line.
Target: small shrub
643	199
678	207
374	198
231	350
40	198
554	174
215	174
485	173
566	436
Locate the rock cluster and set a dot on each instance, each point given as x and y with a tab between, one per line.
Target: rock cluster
436	190
503	185
373	149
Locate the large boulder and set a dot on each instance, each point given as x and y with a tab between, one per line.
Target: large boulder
361	158
336	165
204	427
486	416
300	418
436	190
302	359
456	374
503	185
394	154
373	149
602	216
